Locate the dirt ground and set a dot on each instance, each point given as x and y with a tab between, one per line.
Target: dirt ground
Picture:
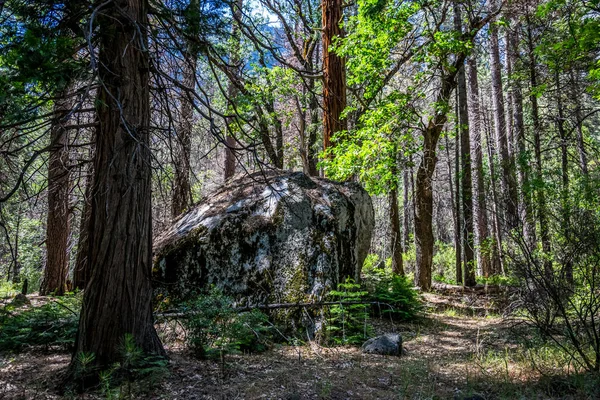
448	355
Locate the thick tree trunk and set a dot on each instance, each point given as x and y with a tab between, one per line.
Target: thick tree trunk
480	205
465	157
509	185
118	299
334	76
57	232
424	186
397	263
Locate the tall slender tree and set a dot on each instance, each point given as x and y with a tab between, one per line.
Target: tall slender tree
465	158
509	184
480	203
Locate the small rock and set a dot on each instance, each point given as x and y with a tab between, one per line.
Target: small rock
389	344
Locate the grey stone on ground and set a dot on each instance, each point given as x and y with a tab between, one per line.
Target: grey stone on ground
389	344
272	237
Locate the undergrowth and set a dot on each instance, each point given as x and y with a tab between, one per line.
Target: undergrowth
52	325
215	328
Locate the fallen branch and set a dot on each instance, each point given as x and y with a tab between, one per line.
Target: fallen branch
275	306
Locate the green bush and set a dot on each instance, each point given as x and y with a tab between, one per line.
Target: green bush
395	293
348	323
215	327
134	374
53	324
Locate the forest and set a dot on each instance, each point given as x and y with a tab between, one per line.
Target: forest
300	199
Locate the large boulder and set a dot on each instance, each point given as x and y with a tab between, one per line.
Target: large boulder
271	237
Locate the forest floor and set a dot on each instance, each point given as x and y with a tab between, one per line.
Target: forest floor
460	349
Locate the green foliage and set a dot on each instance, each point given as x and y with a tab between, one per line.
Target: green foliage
8	289
444	262
396	293
53	324
373	150
373	34
38	42
117	382
216	328
348	323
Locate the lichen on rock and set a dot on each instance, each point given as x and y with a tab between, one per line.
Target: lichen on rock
268	237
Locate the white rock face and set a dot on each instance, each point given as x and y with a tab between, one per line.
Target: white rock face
267	238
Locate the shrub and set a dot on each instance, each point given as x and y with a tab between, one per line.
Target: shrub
559	291
215	327
395	293
117	382
348	323
53	324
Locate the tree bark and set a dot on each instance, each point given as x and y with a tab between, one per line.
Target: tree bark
181	195
454	202
509	185
407	203
583	157
480	205
232	90
397	262
537	143
81	272
497	255
564	156
57	231
465	157
117	301
512	38
334	76
424	239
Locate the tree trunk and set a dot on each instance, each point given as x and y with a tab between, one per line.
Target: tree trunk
181	196
497	256
407	203
480	205
519	136
424	186
81	272
57	231
334	76
454	202
232	90
465	157
583	157
566	209
397	263
537	143
118	299
509	186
